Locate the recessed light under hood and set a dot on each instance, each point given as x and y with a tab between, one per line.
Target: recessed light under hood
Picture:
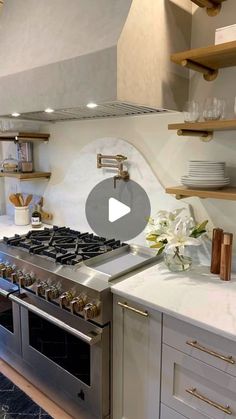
106	110
114	54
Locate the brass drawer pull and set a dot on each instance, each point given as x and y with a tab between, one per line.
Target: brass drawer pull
225	409
125	305
196	345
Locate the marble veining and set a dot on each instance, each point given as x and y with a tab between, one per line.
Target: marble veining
15	404
197	296
70	194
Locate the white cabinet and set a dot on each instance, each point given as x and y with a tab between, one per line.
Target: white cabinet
206	346
136	361
167	413
195	389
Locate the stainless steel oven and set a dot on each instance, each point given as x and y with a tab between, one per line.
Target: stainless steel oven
10	329
71	355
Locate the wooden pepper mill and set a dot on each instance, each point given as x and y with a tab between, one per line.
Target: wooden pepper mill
217	237
226	257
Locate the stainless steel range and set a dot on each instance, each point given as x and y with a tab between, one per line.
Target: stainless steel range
56	312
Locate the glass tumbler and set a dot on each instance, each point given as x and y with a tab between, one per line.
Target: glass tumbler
214	109
191	111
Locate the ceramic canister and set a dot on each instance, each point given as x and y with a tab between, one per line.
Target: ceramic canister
22	217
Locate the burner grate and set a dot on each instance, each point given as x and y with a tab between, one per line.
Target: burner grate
63	245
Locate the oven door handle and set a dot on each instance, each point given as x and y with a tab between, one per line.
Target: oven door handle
6	288
91	338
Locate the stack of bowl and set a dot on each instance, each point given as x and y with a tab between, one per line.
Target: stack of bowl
205	175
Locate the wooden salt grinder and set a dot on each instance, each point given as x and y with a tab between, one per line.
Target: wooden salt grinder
226	257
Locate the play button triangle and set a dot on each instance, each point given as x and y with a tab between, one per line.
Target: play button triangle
117	210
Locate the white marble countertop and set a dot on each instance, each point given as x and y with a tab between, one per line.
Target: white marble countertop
197	296
8	228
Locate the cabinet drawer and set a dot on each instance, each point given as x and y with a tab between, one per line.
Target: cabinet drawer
167	413
196	390
200	344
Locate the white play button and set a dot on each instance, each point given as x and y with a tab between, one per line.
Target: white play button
121	213
117	210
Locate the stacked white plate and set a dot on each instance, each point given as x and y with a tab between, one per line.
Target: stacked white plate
205	175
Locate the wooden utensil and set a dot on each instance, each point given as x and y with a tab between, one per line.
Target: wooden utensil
14	200
28	200
46	216
40	203
20	198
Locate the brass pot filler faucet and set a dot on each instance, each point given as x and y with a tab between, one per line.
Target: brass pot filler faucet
122	174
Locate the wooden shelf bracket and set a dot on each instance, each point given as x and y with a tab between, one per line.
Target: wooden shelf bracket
204	136
213	7
179	197
182	192
208	73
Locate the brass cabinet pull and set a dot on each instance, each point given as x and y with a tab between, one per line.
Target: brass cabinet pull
196	345
225	409
125	305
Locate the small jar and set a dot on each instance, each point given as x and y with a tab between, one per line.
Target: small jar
36	219
22	217
9	165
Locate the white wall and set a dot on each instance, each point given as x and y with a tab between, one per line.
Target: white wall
2	200
166	153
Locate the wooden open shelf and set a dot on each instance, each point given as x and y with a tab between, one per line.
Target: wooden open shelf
23	136
27	176
213	7
208	60
183	192
203	129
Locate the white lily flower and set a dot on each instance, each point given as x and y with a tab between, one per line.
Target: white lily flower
179	236
171	231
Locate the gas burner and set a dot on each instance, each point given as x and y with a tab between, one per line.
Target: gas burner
63	245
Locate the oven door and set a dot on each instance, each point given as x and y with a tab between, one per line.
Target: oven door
70	354
10	336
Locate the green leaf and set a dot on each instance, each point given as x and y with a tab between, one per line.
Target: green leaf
199	229
151	237
157	245
202	226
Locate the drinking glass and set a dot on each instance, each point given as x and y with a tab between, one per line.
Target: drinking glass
191	111
214	109
235	106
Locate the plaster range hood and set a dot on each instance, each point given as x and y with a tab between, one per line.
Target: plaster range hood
114	53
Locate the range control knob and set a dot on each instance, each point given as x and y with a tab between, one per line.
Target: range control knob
14	277
2	265
66	298
26	280
3	272
40	288
9	269
52	293
78	303
91	310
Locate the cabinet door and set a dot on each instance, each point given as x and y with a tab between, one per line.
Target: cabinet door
167	413
136	361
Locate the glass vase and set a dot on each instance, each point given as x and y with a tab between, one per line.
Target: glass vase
177	261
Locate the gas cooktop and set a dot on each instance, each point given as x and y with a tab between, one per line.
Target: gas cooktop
69	269
63	245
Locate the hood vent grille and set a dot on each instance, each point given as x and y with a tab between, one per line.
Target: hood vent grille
106	110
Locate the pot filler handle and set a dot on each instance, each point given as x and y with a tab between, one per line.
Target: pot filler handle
89	339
